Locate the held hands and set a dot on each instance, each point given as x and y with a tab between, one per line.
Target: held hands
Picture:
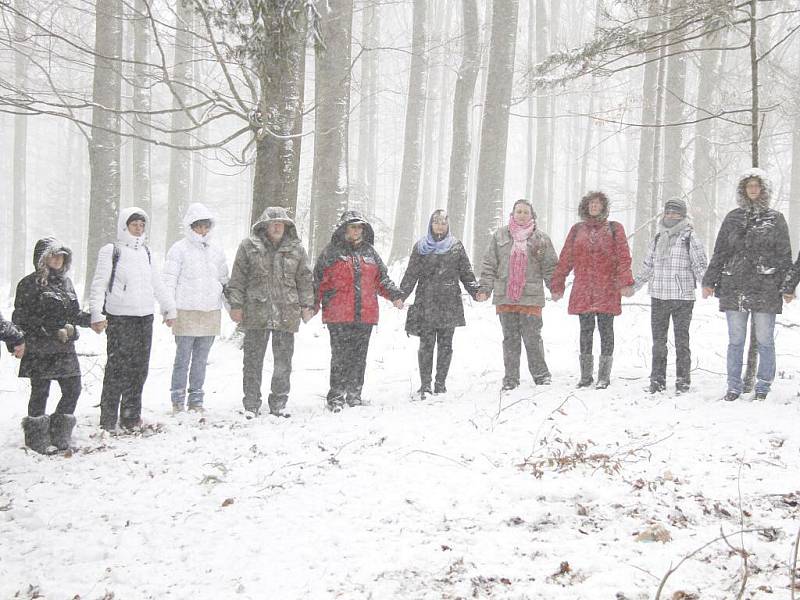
169	322
707	292
556	296
398	304
99	326
19	350
627	291
481	296
236	315
307	314
788	298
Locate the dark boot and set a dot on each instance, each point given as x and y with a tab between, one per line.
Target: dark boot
335	401
587	368
604	372
277	405
37	434
61	427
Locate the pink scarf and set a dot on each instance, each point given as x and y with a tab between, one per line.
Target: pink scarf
518	261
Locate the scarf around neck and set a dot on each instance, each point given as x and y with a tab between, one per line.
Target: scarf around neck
518	261
667	236
427	244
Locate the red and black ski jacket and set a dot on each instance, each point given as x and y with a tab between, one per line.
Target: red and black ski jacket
347	281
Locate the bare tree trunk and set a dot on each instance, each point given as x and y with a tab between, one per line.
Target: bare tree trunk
199	171
19	244
656	183
281	72
674	113
368	107
754	116
646	147
462	106
180	161
794	191
530	140
704	180
329	186
542	166
104	146
142	193
494	129
406	212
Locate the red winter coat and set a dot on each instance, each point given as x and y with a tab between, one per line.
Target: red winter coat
598	252
348	281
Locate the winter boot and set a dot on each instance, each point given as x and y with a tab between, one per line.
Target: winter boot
439	388
335	401
587	368
277	405
424	391
61	427
604	372
37	434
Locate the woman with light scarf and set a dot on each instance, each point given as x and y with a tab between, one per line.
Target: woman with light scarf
518	263
438	262
674	265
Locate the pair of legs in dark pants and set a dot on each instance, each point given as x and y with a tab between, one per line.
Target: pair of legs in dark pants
128	347
428	340
255	346
680	311
40	389
518	328
349	345
605	324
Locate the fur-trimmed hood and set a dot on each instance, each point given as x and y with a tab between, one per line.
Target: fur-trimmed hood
765	200
273	214
44	249
583	207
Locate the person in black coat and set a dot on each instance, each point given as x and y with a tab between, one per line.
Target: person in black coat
438	262
13	337
752	256
46	308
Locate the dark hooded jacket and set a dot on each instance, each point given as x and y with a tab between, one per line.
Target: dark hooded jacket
437	303
752	254
44	303
597	250
271	284
348	278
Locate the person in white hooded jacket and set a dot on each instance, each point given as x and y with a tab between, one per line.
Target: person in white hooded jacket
195	274
126	283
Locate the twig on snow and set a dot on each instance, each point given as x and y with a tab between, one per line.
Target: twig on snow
794	563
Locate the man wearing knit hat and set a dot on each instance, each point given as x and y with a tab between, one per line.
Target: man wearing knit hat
675	263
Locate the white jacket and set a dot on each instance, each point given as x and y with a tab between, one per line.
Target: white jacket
137	281
196	269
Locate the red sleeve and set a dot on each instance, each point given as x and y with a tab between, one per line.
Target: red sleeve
624	275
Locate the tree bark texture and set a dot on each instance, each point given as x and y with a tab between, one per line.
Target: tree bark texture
19	244
330	184
674	113
494	128
142	196
367	165
406	211
104	145
462	107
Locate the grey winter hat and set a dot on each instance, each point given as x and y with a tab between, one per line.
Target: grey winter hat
677	205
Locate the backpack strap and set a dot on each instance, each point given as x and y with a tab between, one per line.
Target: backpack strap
114	260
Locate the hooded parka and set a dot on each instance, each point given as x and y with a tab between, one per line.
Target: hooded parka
45	303
752	254
597	250
271	284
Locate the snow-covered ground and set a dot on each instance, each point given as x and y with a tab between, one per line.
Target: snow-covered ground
545	492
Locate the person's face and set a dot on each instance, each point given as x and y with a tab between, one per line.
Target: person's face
201	227
595	207
672	215
522	214
753	189
439	226
275	230
136	228
55	262
354	233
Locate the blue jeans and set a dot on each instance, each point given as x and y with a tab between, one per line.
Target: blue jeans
192	349
737	332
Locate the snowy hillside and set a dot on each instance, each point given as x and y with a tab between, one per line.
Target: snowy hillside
544	492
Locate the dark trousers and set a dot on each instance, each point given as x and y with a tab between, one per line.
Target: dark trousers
349	345
518	328
428	340
605	324
255	346
128	347
40	390
680	311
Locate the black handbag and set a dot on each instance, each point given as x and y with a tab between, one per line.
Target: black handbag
414	320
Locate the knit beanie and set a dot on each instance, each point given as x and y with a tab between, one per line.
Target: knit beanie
677	205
